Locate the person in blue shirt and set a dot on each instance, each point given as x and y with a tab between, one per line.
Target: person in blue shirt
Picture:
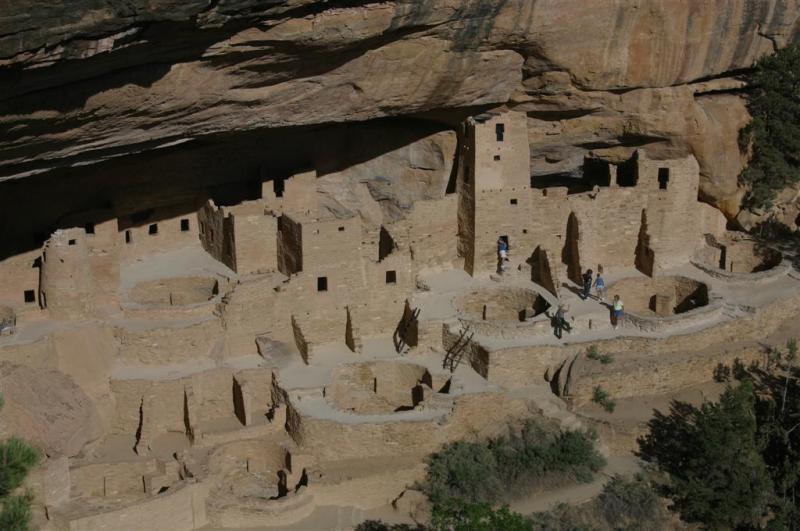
502	255
600	285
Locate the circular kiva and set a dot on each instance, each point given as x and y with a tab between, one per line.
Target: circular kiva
660	296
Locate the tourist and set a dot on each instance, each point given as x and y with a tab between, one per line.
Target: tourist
502	252
600	285
587	283
618	310
560	321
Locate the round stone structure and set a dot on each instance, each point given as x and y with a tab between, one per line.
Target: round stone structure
660	296
501	304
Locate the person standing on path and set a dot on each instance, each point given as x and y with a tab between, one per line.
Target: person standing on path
600	285
618	312
502	255
560	321
587	284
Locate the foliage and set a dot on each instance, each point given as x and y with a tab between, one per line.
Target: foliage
458	515
603	399
529	457
593	354
17	458
632	501
773	135
15	512
624	503
735	463
378	525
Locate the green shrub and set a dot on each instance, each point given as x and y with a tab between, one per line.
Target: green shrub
530	457
463	470
633	501
378	525
593	354
629	504
459	515
17	458
603	399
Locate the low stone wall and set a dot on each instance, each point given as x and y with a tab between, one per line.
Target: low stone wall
636	374
654	323
762	276
519	366
181	509
165	343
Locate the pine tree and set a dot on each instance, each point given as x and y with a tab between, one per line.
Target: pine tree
774	133
712	456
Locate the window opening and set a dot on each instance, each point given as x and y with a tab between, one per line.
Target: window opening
497	157
152	229
30	296
500	131
89	227
278	186
322	283
663	178
391	277
184	225
128	238
513	201
71	242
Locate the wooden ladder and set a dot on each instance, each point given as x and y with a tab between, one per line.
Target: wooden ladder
455	353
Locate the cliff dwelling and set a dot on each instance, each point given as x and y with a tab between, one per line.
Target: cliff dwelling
260	262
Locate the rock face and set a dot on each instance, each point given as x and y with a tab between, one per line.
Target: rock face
48	409
84	81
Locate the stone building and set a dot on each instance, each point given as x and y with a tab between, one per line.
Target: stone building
644	213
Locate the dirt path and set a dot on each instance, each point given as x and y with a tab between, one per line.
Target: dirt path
576	494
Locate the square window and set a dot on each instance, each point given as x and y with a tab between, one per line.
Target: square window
513	201
89	227
341	229
497	157
30	296
128	237
322	283
152	229
71	242
391	277
184	225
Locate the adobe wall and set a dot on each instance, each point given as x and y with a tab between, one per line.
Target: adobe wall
500	150
299	194
20	274
186	404
673	217
136	235
433	232
67	287
181	509
166	343
518	366
255	238
213	236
